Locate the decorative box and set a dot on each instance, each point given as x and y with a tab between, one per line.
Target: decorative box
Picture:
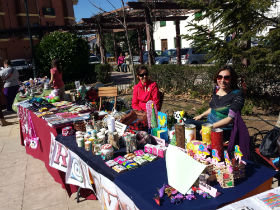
67	131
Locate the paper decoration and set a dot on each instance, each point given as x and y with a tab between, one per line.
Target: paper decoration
153	117
149	111
211	190
120	128
59	155
178	165
75	173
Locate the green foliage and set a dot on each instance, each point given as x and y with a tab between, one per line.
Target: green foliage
248	108
102	72
232	26
72	50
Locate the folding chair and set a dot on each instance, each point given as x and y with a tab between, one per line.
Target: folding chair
107	92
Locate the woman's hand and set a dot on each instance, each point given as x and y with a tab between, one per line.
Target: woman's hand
198	117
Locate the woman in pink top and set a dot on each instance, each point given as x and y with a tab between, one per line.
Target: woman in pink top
144	91
56	78
121	62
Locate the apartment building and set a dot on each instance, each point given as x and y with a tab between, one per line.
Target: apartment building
14	39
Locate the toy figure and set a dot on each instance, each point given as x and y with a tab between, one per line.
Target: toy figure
215	156
227	160
179	116
238	154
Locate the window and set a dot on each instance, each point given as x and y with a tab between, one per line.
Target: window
162	23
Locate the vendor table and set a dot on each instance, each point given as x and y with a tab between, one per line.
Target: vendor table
43	131
136	188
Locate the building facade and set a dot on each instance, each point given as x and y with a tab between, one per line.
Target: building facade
41	13
165	31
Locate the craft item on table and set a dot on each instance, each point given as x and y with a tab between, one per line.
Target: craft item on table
88	145
113	139
67	131
94	134
88	126
120	128
158	150
120	160
80	142
97	149
130	142
148	148
111	123
82	92
111	163
107	152
172	137
98	125
207	188
139	152
227	159
130	164
202	151
142	138
224	176
217	141
215	156
206	133
179	116
180	135
129	156
101	138
190	132
79	126
238	154
152	114
53	96
139	160
79	134
270	199
86	136
119	168
149	157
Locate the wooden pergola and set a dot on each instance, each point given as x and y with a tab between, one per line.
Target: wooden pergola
136	16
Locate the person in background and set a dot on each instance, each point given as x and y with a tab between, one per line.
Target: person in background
121	62
127	61
10	76
145	90
56	78
227	100
3	102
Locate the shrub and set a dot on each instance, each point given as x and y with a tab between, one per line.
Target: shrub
102	72
73	51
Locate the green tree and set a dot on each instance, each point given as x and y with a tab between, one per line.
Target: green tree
73	51
232	25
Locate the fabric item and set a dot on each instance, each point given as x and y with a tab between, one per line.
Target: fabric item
10	93
57	78
120	60
142	93
10	76
270	144
157	176
240	136
227	105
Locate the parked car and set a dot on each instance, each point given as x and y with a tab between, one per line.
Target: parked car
169	55
94	59
20	64
190	56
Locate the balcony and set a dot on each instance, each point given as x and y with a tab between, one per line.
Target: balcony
48	11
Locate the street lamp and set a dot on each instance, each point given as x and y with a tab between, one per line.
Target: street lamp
30	37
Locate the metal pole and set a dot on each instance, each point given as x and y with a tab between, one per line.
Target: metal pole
30	37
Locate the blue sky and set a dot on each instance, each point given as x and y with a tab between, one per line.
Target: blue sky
84	9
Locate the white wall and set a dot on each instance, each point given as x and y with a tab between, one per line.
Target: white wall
169	31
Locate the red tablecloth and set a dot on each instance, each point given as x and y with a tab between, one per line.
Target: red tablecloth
43	131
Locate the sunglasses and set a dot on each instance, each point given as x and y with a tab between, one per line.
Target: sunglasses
226	78
144	74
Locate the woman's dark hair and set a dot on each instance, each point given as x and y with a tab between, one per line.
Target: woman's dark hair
7	61
233	76
141	67
56	63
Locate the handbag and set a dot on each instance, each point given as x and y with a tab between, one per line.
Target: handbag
270	146
31	140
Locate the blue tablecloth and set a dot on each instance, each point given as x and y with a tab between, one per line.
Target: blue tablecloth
142	183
